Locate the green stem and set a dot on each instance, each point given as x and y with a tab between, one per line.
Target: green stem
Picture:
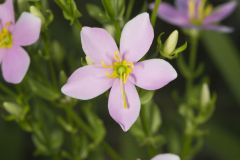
154	12
188	138
118	30
7	90
150	148
88	131
50	62
143	121
187	144
112	153
192	59
129	9
80	122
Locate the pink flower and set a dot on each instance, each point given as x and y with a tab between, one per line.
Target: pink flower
166	157
13	58
196	14
119	69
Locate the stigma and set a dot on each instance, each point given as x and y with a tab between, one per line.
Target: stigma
5	37
121	68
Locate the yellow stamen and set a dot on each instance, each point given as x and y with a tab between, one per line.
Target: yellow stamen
191	8
208	10
105	66
121	69
116	56
123	93
203	11
5	37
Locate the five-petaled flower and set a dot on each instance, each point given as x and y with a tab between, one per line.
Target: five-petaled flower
119	69
166	157
13	58
196	14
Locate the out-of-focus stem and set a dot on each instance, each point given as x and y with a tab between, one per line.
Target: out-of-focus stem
129	9
110	151
143	121
192	59
51	66
188	138
154	12
187	144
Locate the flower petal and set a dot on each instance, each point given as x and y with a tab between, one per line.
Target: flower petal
221	12
166	157
153	74
27	29
182	6
7	12
172	15
125	117
15	64
218	28
136	38
98	44
2	53
87	82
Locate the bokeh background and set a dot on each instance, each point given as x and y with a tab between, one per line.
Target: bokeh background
219	52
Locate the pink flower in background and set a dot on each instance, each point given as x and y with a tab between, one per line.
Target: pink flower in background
119	69
166	157
196	14
13	58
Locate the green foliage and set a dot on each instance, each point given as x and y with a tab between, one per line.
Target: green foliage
64	128
69	9
175	51
226	58
147	126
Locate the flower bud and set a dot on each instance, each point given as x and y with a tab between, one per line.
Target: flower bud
36	12
205	95
169	49
88	60
171	43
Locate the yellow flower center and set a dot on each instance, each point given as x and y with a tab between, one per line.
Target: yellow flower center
121	69
197	15
5	37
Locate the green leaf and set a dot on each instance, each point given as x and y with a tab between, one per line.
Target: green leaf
16	112
218	136
146	128
96	125
225	56
181	48
115	9
43	90
97	13
146	96
107	4
69	9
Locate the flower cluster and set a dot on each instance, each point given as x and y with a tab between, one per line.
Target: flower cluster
111	67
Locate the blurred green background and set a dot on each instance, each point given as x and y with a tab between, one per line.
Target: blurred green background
221	54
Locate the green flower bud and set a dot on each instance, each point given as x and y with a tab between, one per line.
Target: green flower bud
205	95
169	49
35	11
171	43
